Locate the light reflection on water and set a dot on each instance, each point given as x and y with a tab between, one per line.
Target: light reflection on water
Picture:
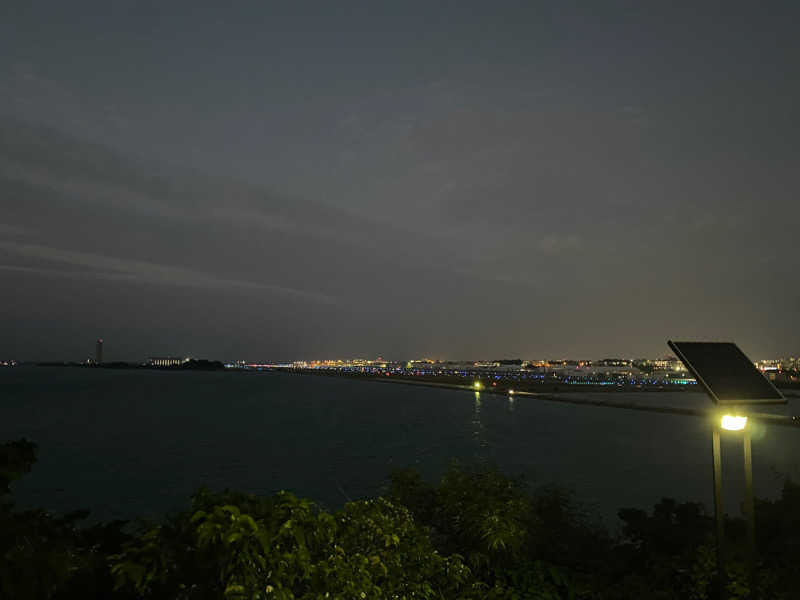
479	433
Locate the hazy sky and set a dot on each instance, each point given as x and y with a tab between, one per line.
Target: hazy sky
270	180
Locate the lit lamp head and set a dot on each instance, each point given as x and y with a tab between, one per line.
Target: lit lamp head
733	422
477	385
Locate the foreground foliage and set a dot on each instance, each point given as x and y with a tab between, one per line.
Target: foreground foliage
474	534
237	546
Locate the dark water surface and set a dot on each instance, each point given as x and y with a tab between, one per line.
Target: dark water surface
127	443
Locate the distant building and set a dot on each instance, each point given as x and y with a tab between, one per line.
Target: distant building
98	352
614	362
668	363
782	377
166	361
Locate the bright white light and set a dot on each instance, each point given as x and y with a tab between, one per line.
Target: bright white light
732	423
511	392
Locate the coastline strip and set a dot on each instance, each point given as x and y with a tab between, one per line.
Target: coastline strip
710	414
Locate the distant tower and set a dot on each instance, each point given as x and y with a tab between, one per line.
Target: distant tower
98	352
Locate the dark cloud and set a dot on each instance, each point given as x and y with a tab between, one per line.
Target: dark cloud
466	180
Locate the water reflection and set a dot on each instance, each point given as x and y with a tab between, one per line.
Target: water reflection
479	432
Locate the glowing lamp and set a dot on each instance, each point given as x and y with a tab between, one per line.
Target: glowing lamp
477	385
511	392
728	376
734	423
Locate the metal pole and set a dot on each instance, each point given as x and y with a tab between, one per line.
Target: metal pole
749	514
718	513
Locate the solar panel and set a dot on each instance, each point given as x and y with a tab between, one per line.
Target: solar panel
726	374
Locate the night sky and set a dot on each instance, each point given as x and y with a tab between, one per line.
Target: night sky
282	180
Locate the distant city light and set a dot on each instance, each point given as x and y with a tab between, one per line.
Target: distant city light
477	385
734	423
609	372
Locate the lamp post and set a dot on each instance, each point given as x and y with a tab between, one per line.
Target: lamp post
750	514
729	378
734	423
719	513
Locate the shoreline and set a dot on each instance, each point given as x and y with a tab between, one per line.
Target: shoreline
712	414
